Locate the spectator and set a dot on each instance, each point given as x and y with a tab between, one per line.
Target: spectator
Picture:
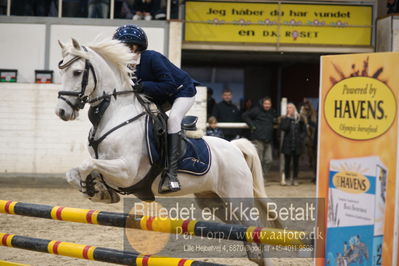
210	102
3	7
174	9
294	130
309	115
98	8
310	118
147	10
30	7
53	10
392	6
123	9
246	105
260	120
213	130
226	111
74	8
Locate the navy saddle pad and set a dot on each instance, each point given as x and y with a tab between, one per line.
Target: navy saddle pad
196	161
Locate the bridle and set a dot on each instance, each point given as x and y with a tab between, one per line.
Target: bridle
82	99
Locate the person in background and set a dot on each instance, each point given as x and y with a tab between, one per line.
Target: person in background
148	10
162	82
392	6
174	9
213	130
98	8
74	8
310	118
3	7
309	115
30	7
123	9
246	105
226	111
261	120
293	145
210	102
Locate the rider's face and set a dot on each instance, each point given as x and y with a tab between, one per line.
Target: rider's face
133	48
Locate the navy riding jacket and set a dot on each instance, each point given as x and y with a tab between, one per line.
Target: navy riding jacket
162	80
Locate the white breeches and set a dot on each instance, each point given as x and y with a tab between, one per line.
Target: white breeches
179	109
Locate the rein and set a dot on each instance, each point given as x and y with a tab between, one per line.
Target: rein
94	143
105	96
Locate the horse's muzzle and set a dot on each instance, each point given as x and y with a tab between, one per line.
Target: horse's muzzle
60	112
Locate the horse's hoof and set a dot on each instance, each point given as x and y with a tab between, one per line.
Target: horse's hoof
107	196
73	177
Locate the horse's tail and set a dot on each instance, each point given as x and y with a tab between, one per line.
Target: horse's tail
254	164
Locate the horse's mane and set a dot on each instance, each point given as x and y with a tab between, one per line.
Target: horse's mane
117	54
114	52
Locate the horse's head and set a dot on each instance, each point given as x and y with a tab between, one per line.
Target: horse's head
78	80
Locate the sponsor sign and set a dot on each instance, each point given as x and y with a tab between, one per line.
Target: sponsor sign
278	23
357	164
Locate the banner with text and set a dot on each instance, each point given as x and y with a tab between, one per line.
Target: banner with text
274	23
357	162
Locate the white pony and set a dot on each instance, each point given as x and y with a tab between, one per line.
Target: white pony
101	69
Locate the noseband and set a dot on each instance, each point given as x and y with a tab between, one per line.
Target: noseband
81	97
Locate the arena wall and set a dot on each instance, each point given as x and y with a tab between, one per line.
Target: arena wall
33	140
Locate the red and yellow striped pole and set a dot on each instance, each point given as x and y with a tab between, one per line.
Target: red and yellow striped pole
92	253
260	235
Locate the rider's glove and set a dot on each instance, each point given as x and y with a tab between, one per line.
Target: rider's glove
138	87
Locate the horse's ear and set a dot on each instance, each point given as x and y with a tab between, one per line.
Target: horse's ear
75	44
61	44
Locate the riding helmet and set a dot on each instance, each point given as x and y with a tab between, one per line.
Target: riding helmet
132	34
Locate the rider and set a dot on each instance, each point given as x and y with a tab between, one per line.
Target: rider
158	78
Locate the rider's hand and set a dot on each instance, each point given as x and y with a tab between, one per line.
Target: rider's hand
138	88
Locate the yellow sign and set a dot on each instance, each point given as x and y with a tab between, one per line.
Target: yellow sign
272	23
360	108
351	182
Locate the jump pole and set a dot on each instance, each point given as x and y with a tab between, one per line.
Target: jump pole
92	253
261	235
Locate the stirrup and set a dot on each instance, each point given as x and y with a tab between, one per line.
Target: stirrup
168	184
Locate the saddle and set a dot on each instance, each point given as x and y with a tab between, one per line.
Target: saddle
195	159
195	153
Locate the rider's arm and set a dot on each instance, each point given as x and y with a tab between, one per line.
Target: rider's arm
163	83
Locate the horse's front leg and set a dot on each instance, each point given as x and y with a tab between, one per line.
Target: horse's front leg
87	177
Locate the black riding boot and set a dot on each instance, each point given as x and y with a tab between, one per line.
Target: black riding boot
169	181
